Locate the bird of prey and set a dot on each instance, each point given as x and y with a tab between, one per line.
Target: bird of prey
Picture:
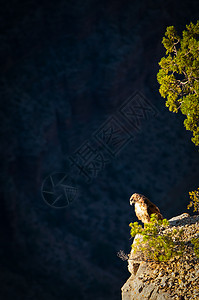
144	208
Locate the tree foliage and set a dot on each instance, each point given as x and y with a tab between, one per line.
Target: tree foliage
154	244
179	75
194	200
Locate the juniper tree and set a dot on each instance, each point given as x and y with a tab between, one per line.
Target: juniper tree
179	75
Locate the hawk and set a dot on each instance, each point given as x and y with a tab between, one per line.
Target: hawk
144	208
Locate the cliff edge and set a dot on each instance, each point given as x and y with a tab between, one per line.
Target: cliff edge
176	279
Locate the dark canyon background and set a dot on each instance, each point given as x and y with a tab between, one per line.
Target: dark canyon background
68	70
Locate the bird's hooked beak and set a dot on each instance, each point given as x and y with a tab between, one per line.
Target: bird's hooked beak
132	201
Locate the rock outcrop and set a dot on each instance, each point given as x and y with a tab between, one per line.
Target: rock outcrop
176	279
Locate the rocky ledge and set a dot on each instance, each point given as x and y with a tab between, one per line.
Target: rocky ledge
176	279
